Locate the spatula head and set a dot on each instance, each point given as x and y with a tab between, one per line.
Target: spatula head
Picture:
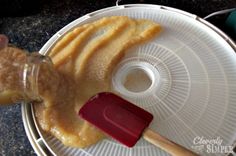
117	117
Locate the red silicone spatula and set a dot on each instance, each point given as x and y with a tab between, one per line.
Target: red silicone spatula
126	122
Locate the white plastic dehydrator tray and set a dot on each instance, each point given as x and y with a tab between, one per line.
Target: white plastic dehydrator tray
192	69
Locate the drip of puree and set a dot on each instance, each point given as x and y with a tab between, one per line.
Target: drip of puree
84	59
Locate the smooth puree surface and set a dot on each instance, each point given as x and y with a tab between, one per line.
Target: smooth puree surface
85	58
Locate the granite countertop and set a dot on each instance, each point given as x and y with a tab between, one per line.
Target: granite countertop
30	26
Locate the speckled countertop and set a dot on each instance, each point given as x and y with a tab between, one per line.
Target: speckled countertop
30	26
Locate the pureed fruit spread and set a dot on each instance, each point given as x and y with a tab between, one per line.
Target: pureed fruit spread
83	61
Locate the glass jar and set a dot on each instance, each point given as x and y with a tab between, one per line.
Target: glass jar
19	75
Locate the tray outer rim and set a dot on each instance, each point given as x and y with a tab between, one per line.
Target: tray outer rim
27	110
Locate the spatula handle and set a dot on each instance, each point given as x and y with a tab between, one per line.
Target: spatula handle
165	144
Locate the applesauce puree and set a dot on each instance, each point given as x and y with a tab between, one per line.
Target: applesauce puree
10	65
85	58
